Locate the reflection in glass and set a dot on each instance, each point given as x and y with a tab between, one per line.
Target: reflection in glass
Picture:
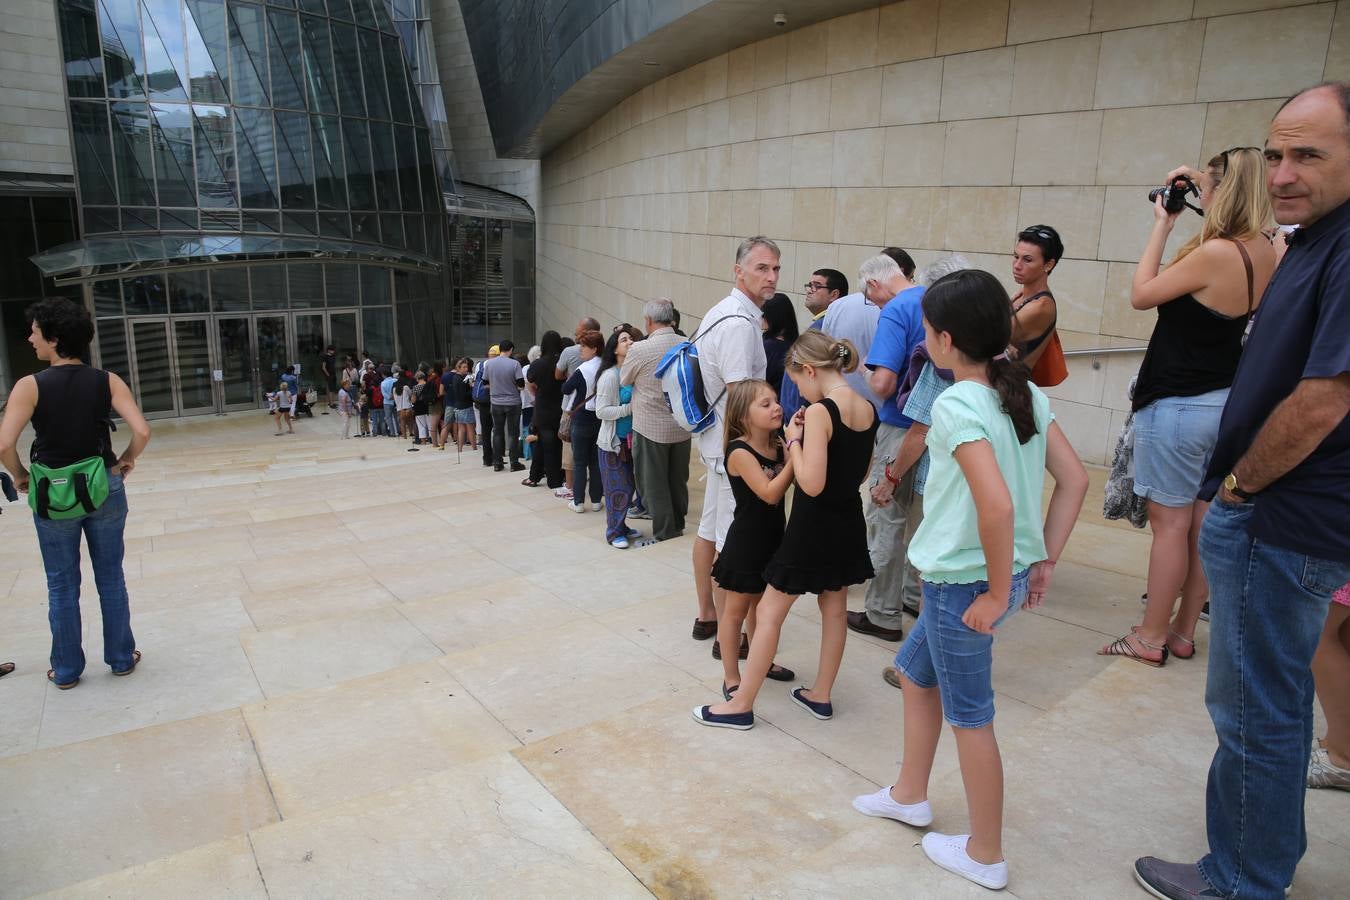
283	44
432	199
194	364
257	158
145	295
413	237
295	161
318	61
374	286
394	69
407	169
366	227
236	360
299	223
391	227
342	334
165	56
271	332
153	372
306	281
139	219
262	222
112	348
340	9
335	225
269	286
248	55
364	14
107	298
220	220
343	284
377	332
386	162
188	292
80	46
349	73
330	180
372	70
229	289
172	141
360	166
208	60
215	157
93	159
100	219
123	61
309	344
178	220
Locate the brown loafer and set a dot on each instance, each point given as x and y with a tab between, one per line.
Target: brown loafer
704	629
745	648
858	621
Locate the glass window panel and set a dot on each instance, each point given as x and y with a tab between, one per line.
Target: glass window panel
330	170
145	295
343	283
360	166
295	161
100	219
214	153
140	219
93	154
314	6
320	79
229	289
207	57
396	74
283	43
82	54
288	3
345	57
377	326
54	221
299	223
188	292
107	298
372	70
236	359
412	227
112	348
178	220
165	55
171	139
269	286
374	286
220	220
386	172
366	227
257	158
391	227
337	225
522	254
123	61
432	198
21	277
131	152
306	286
264	222
381	15
364	14
435	237
248	56
154	378
406	145
340	9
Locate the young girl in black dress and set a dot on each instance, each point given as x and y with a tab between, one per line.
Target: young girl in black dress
824	548
759	479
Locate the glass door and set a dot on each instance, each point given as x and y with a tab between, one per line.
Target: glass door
153	367
342	326
192	366
309	344
236	363
270	339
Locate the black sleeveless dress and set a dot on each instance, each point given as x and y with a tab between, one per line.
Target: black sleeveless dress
755	532
825	545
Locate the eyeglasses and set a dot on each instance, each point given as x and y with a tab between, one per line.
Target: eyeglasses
812	286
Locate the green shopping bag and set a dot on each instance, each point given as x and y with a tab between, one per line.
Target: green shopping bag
70	491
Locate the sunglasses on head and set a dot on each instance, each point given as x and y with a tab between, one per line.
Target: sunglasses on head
624	327
1044	234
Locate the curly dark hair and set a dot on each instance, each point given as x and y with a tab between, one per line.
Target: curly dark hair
65	322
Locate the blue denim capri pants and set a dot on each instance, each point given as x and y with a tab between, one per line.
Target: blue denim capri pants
1173	440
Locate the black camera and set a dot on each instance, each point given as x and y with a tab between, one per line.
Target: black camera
1174	195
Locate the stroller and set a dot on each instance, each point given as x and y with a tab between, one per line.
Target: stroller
302	406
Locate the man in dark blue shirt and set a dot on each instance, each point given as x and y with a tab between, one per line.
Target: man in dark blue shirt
1276	541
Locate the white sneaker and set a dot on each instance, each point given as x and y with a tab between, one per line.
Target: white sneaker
949	852
596	507
576	507
619	543
563	493
883	806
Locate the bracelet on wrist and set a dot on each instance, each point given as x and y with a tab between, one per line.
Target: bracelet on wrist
889	477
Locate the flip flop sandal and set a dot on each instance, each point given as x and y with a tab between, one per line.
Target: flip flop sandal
51	676
135	661
530	483
6	668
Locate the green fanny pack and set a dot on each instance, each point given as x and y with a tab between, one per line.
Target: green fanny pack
70	491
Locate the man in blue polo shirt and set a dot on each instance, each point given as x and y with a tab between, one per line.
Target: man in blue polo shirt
1276	541
895	587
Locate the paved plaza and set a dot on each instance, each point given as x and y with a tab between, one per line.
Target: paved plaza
372	673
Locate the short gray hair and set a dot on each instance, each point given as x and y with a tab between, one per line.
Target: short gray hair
944	266
751	243
535	352
660	311
878	268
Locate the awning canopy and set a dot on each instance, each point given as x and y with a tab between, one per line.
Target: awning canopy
109	256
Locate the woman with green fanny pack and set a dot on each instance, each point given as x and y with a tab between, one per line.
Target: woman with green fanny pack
75	482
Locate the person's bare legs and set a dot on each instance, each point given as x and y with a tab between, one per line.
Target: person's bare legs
1194	590
705	551
734	611
982	775
277	417
923	729
772	610
833	633
1331	677
1168	560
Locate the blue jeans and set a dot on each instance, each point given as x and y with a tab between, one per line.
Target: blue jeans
59	542
585	459
1267	607
616	477
377	420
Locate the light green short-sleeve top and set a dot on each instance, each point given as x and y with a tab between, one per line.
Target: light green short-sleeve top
946	548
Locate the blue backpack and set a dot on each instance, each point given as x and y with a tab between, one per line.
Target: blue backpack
480	388
682	382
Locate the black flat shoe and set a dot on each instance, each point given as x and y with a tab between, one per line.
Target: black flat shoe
780	673
745	648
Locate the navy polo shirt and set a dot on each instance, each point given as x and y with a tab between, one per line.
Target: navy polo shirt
1302	330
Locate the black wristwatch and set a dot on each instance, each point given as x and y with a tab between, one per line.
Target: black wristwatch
1231	484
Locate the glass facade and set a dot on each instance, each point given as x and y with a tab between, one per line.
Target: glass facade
28	224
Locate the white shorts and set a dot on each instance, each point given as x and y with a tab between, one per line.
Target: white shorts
719	504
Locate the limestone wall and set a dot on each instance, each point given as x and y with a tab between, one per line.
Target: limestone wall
34	132
937	125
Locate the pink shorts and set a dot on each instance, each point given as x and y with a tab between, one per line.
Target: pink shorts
1342	596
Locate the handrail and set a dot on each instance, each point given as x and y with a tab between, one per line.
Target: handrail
1101	351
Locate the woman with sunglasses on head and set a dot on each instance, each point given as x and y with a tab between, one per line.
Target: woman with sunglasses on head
778	321
1037	252
1204	299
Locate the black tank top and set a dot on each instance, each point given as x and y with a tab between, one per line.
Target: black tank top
73	416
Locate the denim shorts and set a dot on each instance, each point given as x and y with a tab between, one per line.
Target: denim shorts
943	651
1173	440
464	416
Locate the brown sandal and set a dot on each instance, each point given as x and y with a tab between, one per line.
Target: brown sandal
51	676
1122	647
1173	636
6	668
135	661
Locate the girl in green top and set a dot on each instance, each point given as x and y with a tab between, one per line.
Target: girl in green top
983	551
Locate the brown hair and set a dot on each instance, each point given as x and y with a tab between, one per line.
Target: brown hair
740	397
592	339
821	351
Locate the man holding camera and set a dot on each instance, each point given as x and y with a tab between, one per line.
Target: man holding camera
1276	541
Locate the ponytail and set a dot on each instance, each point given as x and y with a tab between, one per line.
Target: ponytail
1010	379
819	350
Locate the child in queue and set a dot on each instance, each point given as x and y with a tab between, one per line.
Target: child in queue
983	552
760	476
824	547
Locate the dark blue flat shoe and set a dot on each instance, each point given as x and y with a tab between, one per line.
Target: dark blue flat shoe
822	711
739	721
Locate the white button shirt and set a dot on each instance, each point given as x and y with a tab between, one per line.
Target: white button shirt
731	352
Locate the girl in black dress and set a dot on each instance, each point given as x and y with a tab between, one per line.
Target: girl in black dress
759	479
824	548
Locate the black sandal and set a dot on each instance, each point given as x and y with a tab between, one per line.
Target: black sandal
1122	647
530	482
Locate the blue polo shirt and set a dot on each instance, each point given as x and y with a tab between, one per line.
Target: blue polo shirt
1302	330
899	331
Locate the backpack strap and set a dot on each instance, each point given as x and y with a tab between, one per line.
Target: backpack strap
698	337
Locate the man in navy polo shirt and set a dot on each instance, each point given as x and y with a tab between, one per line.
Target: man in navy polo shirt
1276	541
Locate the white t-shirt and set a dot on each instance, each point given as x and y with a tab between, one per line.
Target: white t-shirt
731	352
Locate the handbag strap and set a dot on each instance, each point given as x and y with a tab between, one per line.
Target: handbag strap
1247	264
